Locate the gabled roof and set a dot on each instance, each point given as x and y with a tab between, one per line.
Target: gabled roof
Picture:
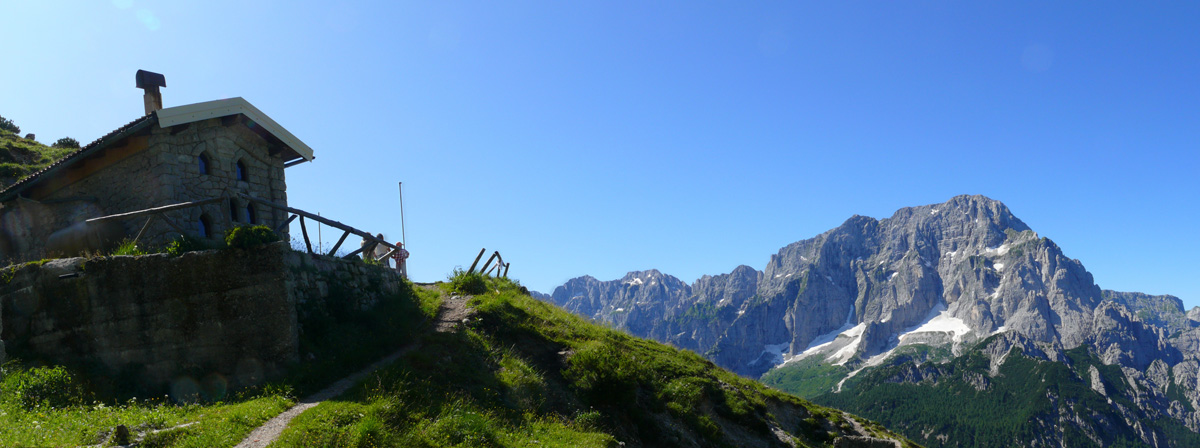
168	117
178	115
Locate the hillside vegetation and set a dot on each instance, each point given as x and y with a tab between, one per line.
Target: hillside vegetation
524	373
964	403
20	157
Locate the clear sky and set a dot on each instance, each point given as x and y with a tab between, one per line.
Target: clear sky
589	137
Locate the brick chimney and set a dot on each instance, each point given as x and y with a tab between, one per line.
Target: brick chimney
150	82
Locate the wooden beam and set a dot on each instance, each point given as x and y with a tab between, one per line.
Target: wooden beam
352	254
173	226
304	230
477	257
144	227
285	224
317	218
506	265
156	210
489	262
339	244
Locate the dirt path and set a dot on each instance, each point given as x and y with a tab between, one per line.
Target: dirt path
451	315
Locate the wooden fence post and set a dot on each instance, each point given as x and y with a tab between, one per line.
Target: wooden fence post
304	230
477	257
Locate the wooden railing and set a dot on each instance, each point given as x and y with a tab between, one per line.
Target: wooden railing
498	266
369	248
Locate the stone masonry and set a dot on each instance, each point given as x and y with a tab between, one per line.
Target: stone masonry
159	168
228	317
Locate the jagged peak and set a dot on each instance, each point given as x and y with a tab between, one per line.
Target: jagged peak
646	274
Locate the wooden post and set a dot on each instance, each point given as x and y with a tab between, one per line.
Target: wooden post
477	257
489	261
144	227
506	265
304	230
285	224
339	243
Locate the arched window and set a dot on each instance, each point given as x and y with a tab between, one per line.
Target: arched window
205	227
241	171
250	218
203	162
233	211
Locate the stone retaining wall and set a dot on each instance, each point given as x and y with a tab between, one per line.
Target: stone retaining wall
203	321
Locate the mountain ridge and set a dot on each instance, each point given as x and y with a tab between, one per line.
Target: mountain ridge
946	275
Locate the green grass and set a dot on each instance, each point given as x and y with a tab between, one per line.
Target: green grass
463	282
524	373
20	157
25	422
808	377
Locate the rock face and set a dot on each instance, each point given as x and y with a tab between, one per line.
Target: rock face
969	261
947	275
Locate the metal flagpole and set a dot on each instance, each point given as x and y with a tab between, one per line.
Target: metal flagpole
400	186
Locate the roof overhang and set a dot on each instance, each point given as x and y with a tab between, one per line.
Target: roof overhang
174	116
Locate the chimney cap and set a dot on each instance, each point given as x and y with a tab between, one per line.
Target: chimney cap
147	80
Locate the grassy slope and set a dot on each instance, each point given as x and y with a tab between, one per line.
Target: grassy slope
526	373
20	157
223	422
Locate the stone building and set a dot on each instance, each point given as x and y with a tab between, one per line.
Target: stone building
196	152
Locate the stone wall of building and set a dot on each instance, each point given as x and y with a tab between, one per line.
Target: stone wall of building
204	320
166	171
181	180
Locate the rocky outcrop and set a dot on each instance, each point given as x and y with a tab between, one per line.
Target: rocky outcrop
1164	311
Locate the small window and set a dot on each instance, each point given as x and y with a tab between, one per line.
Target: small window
205	227
203	163
241	171
250	218
233	211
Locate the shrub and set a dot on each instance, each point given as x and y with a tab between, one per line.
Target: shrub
66	142
468	282
9	126
243	237
44	386
128	247
185	244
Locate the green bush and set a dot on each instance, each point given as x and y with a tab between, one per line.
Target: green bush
53	387
9	126
128	247
468	282
249	236
66	142
185	244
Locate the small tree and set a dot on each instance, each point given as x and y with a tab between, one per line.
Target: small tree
66	142
9	126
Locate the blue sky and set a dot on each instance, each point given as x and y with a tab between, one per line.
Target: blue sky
602	137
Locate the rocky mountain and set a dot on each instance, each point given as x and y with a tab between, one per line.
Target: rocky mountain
930	284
